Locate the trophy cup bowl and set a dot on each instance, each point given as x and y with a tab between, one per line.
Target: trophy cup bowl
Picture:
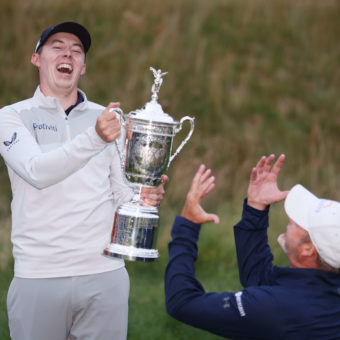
146	157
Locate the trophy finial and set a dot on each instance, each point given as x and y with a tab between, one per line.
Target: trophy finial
157	82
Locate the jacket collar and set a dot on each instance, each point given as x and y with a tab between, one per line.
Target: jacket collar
53	103
306	277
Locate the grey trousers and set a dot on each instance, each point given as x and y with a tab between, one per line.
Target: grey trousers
89	307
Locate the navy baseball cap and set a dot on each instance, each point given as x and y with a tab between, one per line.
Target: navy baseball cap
69	27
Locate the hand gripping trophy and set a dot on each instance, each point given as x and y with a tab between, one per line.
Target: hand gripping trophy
146	156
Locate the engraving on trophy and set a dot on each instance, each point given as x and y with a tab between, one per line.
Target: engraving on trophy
147	158
136	231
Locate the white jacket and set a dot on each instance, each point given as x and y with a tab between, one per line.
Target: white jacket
66	184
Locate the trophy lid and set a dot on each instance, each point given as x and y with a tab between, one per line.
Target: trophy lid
153	111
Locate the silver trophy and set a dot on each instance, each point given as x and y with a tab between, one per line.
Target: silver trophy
146	156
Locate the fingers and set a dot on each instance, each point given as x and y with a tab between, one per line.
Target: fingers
205	175
109	112
214	218
202	175
204	217
209	188
265	165
154	195
202	183
113	105
165	180
197	177
268	163
108	125
151	196
253	175
152	191
263	188
260	163
151	199
278	164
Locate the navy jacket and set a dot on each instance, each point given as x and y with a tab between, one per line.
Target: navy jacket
276	302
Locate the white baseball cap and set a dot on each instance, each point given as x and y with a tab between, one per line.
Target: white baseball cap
320	217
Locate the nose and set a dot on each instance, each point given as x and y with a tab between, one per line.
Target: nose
67	52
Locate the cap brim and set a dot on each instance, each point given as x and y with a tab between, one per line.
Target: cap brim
298	204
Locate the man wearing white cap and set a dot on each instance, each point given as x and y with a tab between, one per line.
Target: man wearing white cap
319	220
301	301
66	182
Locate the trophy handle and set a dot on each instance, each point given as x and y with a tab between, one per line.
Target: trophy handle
192	120
120	114
121	153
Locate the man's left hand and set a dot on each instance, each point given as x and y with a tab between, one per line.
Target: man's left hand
263	189
154	195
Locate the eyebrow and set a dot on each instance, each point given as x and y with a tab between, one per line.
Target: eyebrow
62	42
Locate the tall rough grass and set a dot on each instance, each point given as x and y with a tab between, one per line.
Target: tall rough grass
259	76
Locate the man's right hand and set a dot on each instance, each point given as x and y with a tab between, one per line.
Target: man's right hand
108	126
263	190
201	185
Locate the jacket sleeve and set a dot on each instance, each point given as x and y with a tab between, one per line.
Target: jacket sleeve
42	169
241	315
253	252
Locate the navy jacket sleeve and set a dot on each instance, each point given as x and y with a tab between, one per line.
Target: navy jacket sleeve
247	314
253	252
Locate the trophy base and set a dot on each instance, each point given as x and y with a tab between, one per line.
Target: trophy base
134	233
131	253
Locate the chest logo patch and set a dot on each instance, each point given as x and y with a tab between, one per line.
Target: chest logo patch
44	126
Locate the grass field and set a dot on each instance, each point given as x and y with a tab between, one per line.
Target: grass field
259	77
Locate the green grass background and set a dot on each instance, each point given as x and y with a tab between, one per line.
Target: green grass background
259	76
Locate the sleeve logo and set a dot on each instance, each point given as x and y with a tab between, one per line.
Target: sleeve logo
238	296
14	137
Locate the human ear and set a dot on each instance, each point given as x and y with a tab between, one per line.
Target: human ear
307	252
83	70
35	60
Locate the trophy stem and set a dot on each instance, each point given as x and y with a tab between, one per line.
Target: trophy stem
137	194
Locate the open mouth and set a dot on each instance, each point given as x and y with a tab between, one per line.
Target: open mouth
65	68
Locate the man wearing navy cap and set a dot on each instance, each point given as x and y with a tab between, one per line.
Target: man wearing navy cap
66	182
301	301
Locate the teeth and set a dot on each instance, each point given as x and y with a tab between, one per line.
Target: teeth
67	66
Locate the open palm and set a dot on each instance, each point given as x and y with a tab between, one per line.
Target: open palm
263	189
201	185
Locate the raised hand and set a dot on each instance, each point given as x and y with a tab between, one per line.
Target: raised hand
201	185
263	189
108	125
